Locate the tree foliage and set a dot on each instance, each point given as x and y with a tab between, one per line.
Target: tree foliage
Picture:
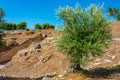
2	42
37	26
8	26
22	25
84	34
47	26
115	13
2	14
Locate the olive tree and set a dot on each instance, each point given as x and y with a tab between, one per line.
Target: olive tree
2	42
1	15
84	33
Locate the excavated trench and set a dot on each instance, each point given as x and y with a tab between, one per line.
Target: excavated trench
46	48
5	58
22	45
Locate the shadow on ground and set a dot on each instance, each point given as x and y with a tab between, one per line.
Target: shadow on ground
102	72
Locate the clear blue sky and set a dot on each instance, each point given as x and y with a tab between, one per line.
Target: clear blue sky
43	11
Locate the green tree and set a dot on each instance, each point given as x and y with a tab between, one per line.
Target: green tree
8	26
84	34
4	26
22	25
47	26
114	13
2	42
14	26
37	26
118	17
2	14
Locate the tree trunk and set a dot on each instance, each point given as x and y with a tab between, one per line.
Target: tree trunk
75	67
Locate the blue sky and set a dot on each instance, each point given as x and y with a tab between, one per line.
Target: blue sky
43	11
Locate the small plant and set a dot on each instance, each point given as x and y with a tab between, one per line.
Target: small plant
84	34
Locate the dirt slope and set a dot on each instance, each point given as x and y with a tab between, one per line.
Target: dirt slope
50	61
36	64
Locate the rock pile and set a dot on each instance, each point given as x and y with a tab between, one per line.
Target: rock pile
34	47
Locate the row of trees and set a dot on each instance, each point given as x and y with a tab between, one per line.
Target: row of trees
13	26
115	13
23	26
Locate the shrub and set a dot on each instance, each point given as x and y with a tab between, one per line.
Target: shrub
84	34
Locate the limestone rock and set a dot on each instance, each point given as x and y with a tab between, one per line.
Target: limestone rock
22	52
35	46
44	36
45	58
29	32
11	43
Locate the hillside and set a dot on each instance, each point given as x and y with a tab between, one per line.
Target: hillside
41	58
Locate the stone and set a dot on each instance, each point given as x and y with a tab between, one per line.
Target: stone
45	58
38	50
35	46
107	61
97	60
22	42
29	32
12	43
22	52
60	76
44	36
113	57
45	78
49	46
97	63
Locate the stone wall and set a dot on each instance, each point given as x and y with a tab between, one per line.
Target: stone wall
22	45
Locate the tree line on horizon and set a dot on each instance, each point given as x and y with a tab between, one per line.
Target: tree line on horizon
22	25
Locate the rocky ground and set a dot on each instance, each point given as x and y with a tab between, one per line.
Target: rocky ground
41	59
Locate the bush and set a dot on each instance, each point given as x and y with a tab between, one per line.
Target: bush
84	34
